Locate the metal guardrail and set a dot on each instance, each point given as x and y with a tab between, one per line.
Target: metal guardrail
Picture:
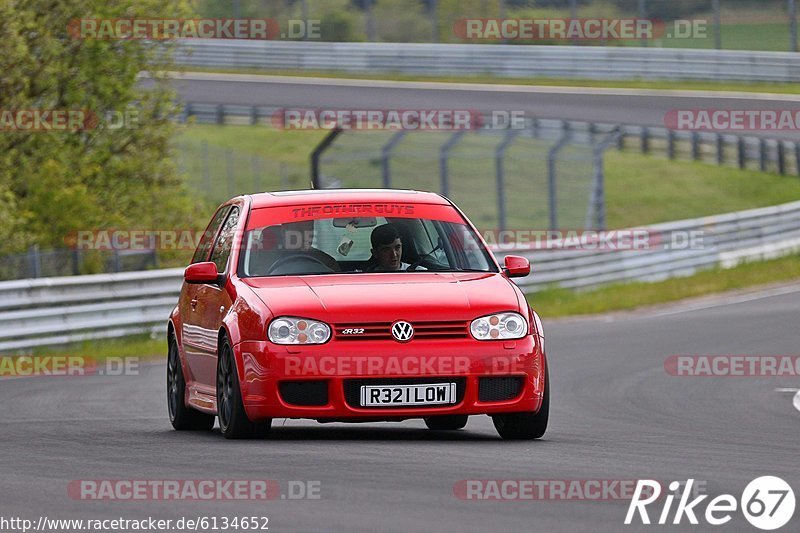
727	240
593	62
52	311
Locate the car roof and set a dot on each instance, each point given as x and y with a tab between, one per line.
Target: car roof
316	196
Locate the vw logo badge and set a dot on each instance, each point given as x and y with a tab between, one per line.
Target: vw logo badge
402	331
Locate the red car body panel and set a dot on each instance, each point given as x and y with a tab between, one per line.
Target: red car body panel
242	308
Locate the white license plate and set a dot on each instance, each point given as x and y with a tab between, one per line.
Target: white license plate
424	394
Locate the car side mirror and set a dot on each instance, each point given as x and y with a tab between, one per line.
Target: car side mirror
205	272
516	266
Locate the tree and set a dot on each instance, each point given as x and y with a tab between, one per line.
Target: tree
53	183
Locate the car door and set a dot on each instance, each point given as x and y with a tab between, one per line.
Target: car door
212	302
194	340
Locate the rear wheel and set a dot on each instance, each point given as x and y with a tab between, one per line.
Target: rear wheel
446	422
233	421
182	416
526	426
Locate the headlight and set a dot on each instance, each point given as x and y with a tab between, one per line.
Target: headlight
291	330
499	327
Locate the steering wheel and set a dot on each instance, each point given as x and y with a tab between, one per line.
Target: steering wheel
294	258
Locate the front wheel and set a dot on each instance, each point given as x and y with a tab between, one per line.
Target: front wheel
233	421
181	416
446	422
526	426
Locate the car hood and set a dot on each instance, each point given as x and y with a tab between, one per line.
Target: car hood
385	297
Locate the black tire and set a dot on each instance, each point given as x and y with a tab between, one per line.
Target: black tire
526	426
233	421
183	418
446	422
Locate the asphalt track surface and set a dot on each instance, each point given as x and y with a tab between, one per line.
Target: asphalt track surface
616	106
616	414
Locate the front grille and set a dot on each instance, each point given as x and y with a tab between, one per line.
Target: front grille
352	389
383	330
304	393
499	389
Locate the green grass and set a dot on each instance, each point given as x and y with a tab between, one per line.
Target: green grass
643	189
143	346
687	85
557	302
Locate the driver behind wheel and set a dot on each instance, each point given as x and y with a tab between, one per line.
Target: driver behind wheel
387	250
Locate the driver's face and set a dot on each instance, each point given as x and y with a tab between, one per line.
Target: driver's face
388	255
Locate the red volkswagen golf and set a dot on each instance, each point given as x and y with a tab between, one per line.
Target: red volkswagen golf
356	306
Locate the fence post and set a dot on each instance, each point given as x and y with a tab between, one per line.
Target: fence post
720	149
781	155
434	5
670	144
621	139
444	152
253	115
220	114
116	261
643	15
552	194
370	21
762	155
573	14
717	25
797	156
386	154
597	201
76	261
317	153
793	25
695	146
501	177
741	153
645	136
34	261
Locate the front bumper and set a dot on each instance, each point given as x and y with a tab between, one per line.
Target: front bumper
263	367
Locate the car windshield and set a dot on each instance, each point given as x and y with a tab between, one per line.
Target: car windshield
362	245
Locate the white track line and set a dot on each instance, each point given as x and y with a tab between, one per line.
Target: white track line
796	401
475	87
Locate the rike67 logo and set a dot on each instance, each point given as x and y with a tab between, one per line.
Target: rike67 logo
767	503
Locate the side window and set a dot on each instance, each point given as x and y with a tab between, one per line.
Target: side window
207	239
224	242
